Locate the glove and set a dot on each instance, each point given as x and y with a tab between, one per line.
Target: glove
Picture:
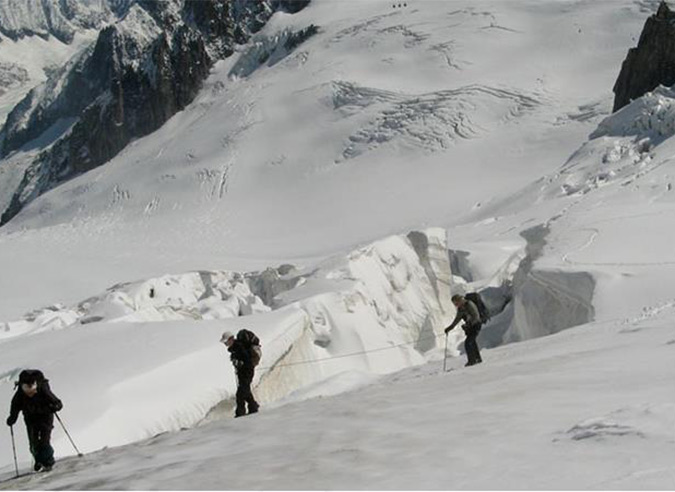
11	421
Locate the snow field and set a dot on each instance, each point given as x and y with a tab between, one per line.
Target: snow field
566	411
343	111
378	310
358	147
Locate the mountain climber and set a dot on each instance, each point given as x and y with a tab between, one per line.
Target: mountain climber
245	355
468	312
35	399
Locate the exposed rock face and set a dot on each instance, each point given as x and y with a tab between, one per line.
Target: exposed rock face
58	18
270	51
292	6
140	72
11	75
652	62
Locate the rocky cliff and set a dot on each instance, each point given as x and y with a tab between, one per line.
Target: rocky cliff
652	62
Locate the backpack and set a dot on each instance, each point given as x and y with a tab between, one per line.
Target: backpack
482	308
252	343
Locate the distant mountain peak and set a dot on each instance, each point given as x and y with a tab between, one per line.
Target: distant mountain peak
664	12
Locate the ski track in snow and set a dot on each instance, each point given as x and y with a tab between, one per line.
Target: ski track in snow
595	232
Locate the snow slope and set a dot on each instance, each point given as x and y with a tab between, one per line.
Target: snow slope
565	217
151	348
605	215
259	170
562	412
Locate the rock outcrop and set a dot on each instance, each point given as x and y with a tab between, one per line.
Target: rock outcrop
61	19
652	62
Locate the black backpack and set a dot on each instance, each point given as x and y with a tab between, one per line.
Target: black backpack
252	343
482	308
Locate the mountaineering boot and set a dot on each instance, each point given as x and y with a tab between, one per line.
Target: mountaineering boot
48	468
37	467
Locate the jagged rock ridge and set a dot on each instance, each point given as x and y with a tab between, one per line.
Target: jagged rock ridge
652	62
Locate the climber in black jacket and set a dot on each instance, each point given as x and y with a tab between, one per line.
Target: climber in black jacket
244	365
35	399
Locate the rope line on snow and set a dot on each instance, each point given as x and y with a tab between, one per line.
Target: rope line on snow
381	349
351	354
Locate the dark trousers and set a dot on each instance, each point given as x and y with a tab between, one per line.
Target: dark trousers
39	438
244	394
471	345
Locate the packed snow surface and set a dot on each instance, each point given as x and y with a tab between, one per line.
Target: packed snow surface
562	412
294	197
152	352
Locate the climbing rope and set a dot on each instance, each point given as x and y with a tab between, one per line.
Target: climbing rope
351	354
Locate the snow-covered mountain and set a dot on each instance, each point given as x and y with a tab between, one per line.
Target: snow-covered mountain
61	19
39	35
365	122
140	72
294	196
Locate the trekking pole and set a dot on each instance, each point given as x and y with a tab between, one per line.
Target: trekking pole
445	354
16	465
66	431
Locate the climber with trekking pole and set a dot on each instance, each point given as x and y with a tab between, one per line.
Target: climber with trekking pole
469	310
35	399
